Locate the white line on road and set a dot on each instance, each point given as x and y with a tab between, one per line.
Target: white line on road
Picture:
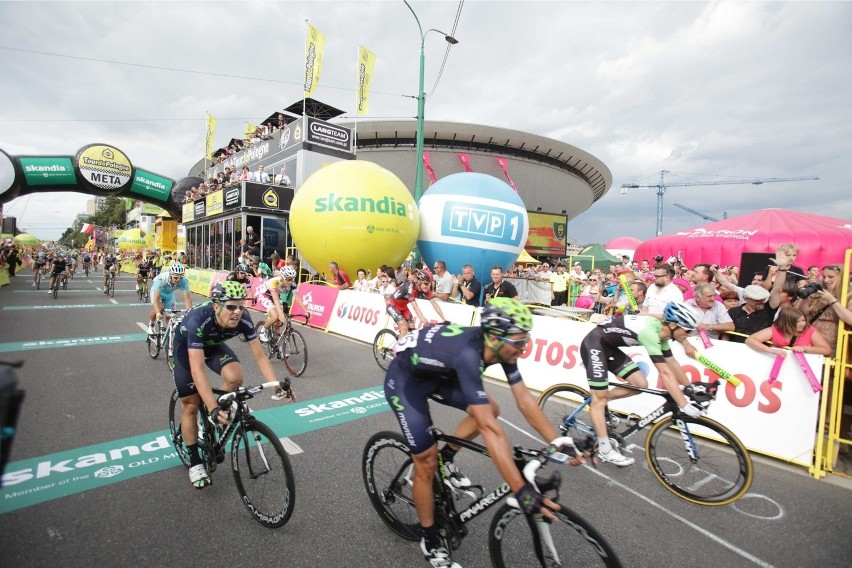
142	326
113	300
291	447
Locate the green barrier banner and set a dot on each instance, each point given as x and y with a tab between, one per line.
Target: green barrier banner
205	280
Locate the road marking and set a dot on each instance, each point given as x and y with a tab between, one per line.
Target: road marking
291	447
115	304
114	301
730	546
70	342
44	478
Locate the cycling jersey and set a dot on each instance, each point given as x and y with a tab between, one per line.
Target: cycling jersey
163	283
59	266
440	362
600	348
404	295
143	269
199	330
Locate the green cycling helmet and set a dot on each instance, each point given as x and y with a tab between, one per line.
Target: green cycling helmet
228	290
506	316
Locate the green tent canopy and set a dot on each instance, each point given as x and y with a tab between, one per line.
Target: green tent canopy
594	256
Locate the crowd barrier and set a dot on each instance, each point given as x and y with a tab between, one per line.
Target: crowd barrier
532	291
778	419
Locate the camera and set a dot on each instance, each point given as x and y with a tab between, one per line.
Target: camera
810	289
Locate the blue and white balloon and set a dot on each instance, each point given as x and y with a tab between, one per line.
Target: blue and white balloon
472	218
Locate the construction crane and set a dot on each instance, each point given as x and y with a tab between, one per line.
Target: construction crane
663	186
700	214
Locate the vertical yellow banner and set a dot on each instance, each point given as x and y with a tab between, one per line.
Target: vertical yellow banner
314	44
366	61
211	132
250	128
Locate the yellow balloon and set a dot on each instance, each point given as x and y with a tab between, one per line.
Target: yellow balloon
355	213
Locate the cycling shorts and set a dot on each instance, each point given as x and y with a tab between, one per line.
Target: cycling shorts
400	312
216	358
408	396
601	358
268	304
57	272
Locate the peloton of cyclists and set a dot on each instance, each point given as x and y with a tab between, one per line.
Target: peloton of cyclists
200	345
418	286
163	292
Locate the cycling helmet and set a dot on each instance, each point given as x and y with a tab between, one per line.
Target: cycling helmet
505	316
423	277
228	290
242	268
61	255
41	254
176	268
682	314
287	272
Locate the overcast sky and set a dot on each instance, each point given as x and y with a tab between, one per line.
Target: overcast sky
744	90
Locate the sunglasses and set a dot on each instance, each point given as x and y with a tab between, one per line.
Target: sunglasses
234	307
517	343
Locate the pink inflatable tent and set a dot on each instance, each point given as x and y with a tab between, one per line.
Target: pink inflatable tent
821	240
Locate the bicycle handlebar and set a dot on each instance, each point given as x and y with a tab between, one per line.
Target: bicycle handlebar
245	393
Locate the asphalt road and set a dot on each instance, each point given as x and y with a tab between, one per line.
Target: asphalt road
84	393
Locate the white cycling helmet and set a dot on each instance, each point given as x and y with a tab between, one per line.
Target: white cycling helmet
287	272
176	268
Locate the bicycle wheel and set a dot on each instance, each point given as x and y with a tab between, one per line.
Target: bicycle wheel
38	280
175	412
388	476
56	288
166	335
560	403
112	287
295	353
383	347
720	471
154	341
263	474
569	541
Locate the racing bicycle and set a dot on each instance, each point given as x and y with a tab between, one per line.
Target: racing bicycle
163	336
289	345
110	285
261	468
697	459
514	539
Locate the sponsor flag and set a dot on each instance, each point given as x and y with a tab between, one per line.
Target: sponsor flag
211	132
465	160
314	44
428	167
250	128
504	165
366	61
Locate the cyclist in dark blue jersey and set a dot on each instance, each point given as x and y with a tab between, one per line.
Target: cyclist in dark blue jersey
199	343
446	363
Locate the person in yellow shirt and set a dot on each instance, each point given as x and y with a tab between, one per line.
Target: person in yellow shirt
559	286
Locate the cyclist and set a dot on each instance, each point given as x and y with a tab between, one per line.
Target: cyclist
418	286
601	354
39	263
58	269
162	292
276	295
199	343
110	267
446	363
143	270
71	262
87	261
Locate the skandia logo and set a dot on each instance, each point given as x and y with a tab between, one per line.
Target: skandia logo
386	205
358	313
312	409
53	168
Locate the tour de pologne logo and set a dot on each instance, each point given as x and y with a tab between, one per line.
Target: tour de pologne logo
358	410
109	471
371	228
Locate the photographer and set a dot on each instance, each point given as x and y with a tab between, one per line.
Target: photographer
818	305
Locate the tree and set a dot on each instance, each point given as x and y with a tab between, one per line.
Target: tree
111	213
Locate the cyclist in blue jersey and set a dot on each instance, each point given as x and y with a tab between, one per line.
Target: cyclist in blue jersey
199	345
445	363
601	355
162	292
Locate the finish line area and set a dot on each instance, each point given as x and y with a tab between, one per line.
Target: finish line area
95	405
